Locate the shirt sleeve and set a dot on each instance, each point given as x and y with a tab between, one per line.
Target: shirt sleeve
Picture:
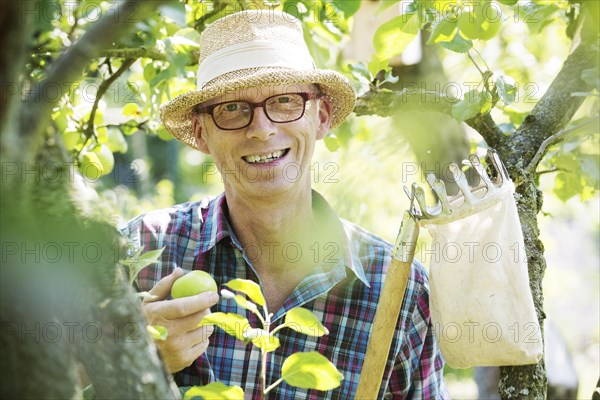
418	371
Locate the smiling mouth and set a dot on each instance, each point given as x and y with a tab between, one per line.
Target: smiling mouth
265	158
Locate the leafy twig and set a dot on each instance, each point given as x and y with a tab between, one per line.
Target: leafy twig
277	382
474	62
549	171
89	129
482	59
556	138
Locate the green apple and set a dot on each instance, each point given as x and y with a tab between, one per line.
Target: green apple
474	23
91	166
106	158
193	283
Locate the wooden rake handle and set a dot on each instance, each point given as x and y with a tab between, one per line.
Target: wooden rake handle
388	310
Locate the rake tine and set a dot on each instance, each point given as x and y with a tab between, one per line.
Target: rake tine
440	190
476	163
499	166
461	181
410	193
420	195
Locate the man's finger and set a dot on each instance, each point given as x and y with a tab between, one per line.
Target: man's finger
190	322
163	288
185	306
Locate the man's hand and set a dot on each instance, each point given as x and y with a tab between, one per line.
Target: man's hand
185	342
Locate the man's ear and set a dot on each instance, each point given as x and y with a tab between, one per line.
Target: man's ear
325	112
197	129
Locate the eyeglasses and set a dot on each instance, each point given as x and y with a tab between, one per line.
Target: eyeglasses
281	108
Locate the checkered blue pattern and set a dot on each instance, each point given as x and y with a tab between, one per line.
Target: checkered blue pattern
343	294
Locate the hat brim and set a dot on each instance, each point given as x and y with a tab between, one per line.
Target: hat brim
176	115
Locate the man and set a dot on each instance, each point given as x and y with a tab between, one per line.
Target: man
260	107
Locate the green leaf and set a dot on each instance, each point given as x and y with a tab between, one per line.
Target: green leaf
468	107
249	288
304	321
591	76
215	391
478	20
158	332
130	127
376	64
233	324
359	69
131	110
458	44
566	185
191	34
331	143
515	116
486	102
507	89
72	140
394	36
262	339
116	141
536	15
164	134
243	302
139	261
348	7
390	78
443	31
590	169
149	72
310	370
508	2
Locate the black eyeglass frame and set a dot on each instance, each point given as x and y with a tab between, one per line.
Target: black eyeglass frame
209	109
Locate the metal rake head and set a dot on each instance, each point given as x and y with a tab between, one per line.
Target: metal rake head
469	199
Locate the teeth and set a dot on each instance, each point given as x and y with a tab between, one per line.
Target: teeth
265	158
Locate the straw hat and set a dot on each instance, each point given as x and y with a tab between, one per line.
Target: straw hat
248	49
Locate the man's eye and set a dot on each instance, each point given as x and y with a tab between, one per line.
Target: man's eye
283	99
231	107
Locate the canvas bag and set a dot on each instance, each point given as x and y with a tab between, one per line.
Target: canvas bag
481	305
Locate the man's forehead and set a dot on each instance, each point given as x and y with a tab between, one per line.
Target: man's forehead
258	93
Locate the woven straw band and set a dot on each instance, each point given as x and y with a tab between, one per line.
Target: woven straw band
252	55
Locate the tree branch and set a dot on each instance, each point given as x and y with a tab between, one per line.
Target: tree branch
143	52
556	138
487	128
89	129
386	103
36	112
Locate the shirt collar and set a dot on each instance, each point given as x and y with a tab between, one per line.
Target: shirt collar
216	227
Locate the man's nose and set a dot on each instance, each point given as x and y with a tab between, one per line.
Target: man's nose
261	127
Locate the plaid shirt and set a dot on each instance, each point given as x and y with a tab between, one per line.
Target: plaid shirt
343	294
